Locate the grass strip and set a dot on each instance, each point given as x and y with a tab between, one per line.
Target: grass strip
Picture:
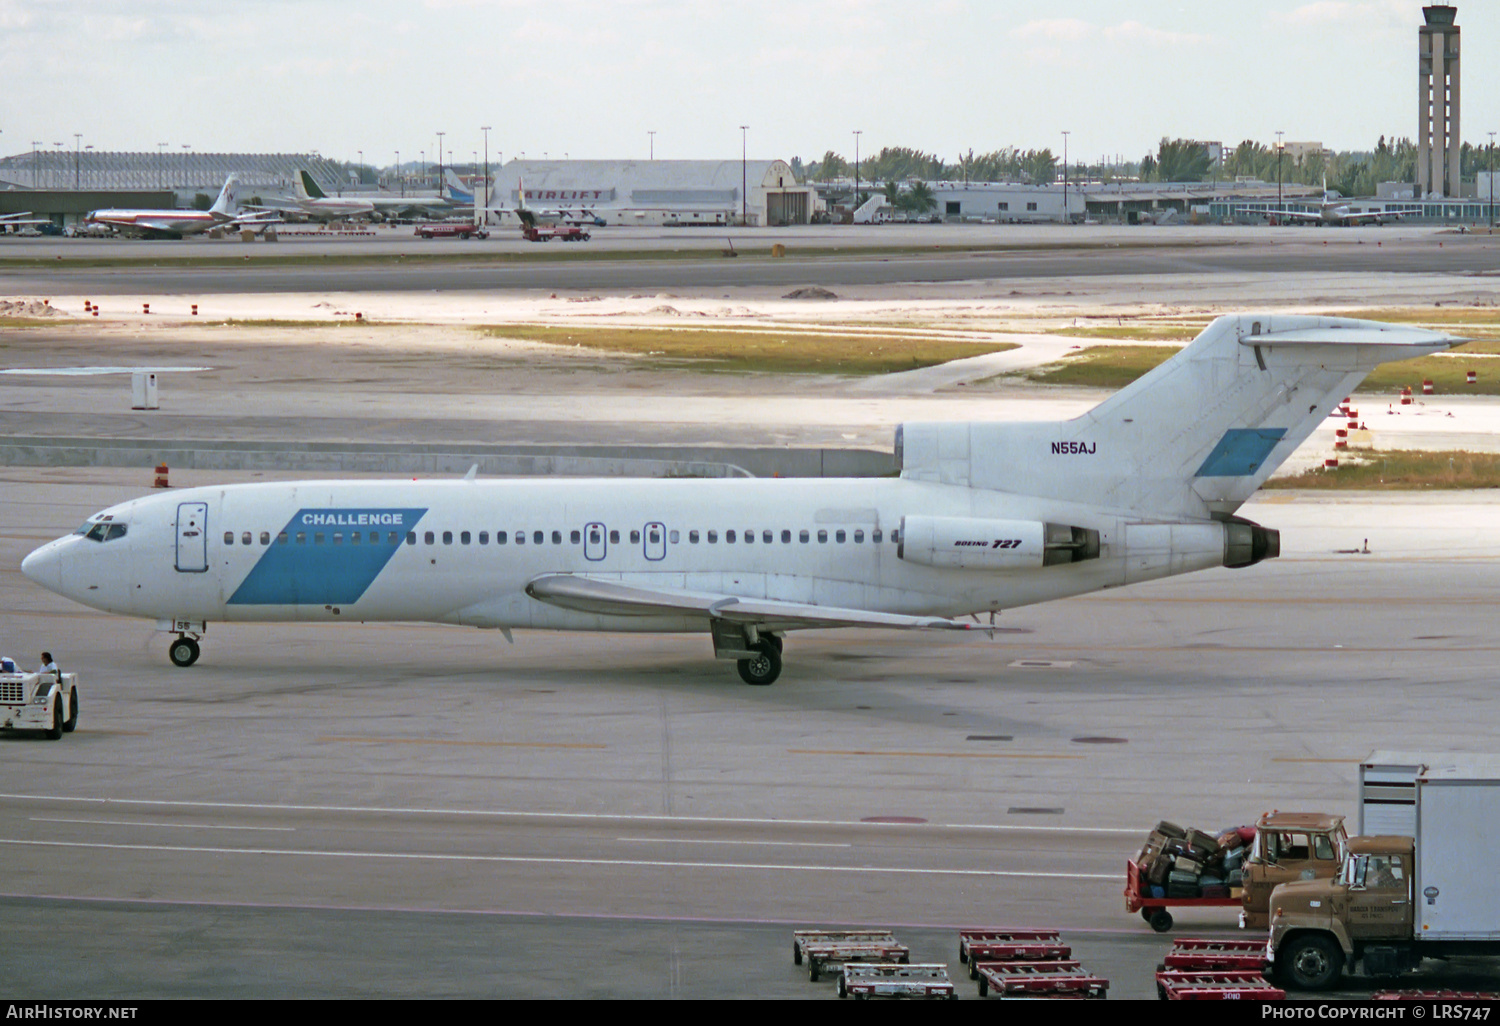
761	351
1400	469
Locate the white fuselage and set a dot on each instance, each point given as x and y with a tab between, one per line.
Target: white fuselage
463	552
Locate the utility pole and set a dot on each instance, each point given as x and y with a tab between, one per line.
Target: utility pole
1066	215
1279	204
855	204
399	176
486	130
652	134
77	141
1492	182
744	175
440	164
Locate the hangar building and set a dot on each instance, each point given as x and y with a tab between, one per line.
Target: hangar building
661	192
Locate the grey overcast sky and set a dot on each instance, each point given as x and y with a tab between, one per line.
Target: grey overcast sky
590	78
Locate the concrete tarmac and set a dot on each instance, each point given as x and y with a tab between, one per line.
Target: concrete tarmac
408	810
420	811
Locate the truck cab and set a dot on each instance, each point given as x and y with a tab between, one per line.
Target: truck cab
1363	914
1289	846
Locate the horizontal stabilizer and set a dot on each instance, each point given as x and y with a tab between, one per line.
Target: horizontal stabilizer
612	598
1194	437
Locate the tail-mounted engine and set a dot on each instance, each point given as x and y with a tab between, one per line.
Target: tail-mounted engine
971	543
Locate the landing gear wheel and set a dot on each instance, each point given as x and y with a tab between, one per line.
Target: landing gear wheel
775	639
764	668
72	720
184	652
1161	920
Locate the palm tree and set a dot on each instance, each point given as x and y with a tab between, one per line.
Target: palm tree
919	198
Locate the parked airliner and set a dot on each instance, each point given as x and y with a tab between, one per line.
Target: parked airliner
175	224
984	517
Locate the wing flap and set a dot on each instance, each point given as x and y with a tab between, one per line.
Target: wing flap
612	598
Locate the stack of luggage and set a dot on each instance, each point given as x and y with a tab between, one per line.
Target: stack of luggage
1189	863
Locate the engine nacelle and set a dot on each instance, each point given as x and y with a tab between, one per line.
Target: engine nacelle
974	543
1247	543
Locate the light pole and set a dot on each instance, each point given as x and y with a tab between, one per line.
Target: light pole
857	133
187	151
399	176
1067	216
361	166
1279	148
744	175
652	134
161	174
440	163
58	177
35	170
77	140
1492	182
486	130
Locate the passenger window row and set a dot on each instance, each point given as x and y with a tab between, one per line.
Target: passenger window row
839	536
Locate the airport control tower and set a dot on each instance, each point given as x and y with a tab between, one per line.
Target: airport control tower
1438	138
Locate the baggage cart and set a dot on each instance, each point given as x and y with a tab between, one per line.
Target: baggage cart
916	980
802	937
1223	985
1206	954
1002	944
1154	910
822	950
1039	979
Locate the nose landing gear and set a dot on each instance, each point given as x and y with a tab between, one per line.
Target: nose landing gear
184	651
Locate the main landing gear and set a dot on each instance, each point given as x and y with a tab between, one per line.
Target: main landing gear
184	651
765	666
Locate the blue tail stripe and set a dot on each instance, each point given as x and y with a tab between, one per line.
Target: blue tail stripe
1241	452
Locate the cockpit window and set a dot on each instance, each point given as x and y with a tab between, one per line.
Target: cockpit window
102	532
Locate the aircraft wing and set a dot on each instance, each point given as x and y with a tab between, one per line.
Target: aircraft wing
1290	215
613	598
1371	215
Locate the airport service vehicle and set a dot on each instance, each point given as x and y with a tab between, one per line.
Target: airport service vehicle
452	230
546	233
39	701
1288	846
1428	892
984	517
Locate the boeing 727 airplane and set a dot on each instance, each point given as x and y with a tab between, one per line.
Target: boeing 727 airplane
984	517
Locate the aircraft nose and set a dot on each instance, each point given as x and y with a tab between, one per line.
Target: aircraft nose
44	567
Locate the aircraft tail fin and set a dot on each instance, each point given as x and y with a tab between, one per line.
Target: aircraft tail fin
307	188
455	189
1196	436
228	203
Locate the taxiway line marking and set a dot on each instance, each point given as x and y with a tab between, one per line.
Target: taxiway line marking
929	755
709	840
165	826
550	861
602	817
457	742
